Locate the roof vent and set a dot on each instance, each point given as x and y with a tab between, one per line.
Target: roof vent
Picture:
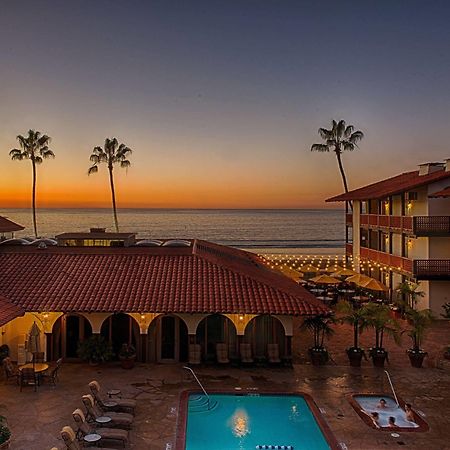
42	245
97	230
427	168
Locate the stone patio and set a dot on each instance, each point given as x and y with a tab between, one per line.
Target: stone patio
37	417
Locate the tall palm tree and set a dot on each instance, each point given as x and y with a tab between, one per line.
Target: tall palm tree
339	138
112	153
35	148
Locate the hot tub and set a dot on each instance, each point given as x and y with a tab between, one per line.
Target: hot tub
369	402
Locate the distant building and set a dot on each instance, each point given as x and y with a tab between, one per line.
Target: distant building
97	237
160	296
400	226
8	228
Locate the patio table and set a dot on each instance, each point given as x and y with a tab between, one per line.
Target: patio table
317	290
92	438
38	367
103	419
113	392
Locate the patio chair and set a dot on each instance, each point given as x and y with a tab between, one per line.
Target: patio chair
11	371
38	357
109	434
273	354
120	420
52	376
246	353
195	354
222	353
27	377
69	438
121	405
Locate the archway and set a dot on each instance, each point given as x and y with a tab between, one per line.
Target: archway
212	330
168	339
67	332
263	330
119	329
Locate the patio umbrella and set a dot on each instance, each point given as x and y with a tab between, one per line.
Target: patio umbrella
309	268
33	339
358	279
374	285
341	272
291	273
324	279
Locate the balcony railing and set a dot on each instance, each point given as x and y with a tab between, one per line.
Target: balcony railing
397	262
431	225
432	269
416	225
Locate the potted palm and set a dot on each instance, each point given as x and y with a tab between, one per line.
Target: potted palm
354	316
419	321
319	327
127	356
446	308
5	434
95	350
408	296
379	318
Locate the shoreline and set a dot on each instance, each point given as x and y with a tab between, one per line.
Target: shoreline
299	251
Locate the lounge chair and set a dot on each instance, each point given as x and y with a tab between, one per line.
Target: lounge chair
69	438
109	434
120	420
273	354
222	353
27	377
118	404
246	353
11	371
195	354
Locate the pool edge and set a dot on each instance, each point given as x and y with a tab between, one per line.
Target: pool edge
180	440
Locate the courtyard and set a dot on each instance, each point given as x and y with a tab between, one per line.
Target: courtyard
36	418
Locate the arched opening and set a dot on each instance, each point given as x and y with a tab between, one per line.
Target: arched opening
168	340
263	330
119	329
212	330
67	332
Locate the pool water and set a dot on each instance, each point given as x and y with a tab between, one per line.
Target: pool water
369	404
242	422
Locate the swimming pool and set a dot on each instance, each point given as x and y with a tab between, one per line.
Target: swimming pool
252	421
369	403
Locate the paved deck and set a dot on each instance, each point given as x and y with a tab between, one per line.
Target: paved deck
37	417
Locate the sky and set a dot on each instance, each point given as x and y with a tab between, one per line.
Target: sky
220	101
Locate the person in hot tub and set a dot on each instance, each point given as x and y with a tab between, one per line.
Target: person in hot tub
374	416
382	404
391	423
409	413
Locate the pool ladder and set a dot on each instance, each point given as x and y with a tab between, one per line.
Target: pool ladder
201	386
392	387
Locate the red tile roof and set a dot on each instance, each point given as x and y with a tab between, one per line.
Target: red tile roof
9	311
203	278
7	226
395	185
444	193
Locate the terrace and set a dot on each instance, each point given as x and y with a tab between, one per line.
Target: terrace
157	388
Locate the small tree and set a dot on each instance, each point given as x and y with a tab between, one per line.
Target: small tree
354	316
419	322
409	295
319	326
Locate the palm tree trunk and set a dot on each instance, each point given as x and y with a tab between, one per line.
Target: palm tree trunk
113	195
341	169
355	335
33	195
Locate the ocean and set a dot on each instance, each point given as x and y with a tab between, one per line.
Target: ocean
263	231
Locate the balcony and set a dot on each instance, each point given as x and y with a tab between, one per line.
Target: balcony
417	225
431	226
396	262
432	269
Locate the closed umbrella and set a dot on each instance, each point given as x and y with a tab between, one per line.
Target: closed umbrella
324	279
33	339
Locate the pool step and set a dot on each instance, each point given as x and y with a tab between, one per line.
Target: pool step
201	403
274	447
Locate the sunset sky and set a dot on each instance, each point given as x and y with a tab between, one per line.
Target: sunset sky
220	100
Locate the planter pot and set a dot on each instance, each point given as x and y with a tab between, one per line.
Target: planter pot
416	358
5	445
355	356
127	363
447	355
378	357
319	357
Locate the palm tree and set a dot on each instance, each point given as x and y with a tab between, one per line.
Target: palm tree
339	138
35	148
112	153
409	294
